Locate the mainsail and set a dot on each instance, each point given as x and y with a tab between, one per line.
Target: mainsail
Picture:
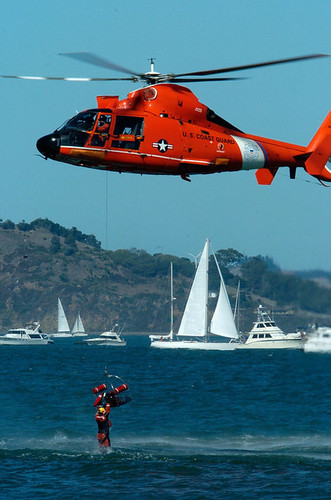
194	321
62	323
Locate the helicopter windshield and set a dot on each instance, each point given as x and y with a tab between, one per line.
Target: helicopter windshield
92	125
76	131
82	121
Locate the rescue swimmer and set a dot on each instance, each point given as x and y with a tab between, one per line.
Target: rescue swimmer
104	402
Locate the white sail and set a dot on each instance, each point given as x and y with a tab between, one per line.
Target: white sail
78	326
222	322
62	323
194	321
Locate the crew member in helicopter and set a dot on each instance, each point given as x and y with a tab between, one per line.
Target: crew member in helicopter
101	132
104	424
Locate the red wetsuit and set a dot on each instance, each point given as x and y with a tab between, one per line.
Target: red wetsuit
104	425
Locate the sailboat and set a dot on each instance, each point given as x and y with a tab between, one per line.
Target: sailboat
63	329
78	329
193	331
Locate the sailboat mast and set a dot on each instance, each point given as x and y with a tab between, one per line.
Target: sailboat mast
171	302
206	288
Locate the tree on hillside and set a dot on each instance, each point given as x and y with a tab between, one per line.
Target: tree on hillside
229	258
55	244
253	272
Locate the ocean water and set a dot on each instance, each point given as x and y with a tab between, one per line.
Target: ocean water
201	425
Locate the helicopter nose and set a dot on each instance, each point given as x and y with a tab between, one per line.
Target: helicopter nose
49	145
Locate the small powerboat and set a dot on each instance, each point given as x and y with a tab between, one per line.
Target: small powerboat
265	334
110	337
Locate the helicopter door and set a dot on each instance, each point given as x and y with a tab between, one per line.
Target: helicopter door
128	132
101	131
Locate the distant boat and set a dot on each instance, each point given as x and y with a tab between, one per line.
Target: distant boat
30	335
78	329
265	334
319	340
193	331
63	329
109	338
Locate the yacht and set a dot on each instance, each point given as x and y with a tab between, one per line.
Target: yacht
30	335
110	337
265	334
319	340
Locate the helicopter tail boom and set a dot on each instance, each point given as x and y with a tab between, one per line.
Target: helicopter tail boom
318	164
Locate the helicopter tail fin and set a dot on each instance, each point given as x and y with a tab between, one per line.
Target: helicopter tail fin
318	164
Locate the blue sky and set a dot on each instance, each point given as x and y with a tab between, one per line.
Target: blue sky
287	221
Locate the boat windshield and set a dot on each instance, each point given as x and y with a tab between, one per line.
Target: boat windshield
112	336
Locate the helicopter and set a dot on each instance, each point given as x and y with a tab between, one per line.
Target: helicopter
163	129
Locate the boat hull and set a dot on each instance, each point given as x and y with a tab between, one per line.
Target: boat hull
272	344
121	343
194	345
4	341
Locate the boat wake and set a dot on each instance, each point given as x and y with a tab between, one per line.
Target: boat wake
316	447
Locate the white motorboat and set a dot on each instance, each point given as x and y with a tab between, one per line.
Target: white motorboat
110	337
63	330
78	329
193	331
319	340
30	335
265	334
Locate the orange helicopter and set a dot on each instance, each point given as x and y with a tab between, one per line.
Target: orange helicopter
163	129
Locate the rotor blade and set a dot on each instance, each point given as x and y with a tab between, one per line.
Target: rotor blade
69	79
97	61
191	80
251	66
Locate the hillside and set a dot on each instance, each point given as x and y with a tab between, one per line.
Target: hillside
43	260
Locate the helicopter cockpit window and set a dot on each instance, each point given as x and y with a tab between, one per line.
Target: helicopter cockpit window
76	131
128	132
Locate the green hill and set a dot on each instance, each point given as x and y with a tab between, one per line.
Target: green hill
42	261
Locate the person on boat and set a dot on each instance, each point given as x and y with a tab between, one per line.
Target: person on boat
104	424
